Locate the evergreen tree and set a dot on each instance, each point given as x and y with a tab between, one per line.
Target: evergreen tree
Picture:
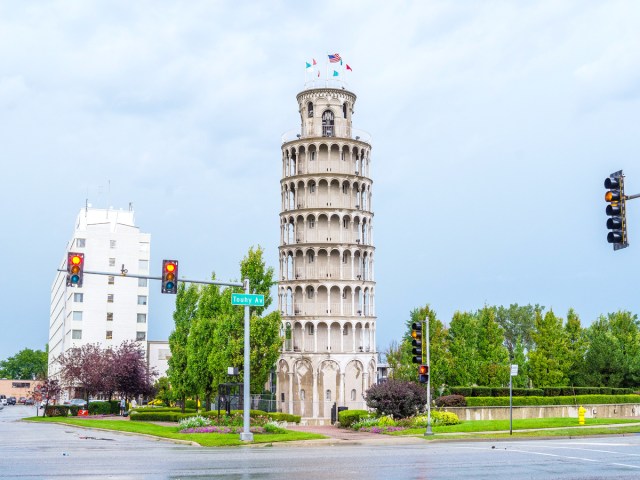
549	361
577	348
493	356
185	311
463	350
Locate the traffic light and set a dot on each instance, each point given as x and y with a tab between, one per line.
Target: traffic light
75	269
169	276
416	343
617	222
423	373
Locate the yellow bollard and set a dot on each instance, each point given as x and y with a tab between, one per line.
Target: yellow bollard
581	412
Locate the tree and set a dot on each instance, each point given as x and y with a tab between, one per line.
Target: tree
129	371
85	368
517	323
463	347
549	361
264	332
577	347
493	356
163	391
520	358
27	364
185	311
399	360
398	398
604	357
49	389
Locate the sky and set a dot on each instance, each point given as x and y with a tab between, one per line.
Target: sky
493	125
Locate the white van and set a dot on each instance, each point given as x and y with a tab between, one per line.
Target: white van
3	400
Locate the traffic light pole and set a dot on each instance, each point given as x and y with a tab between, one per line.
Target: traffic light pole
428	430
246	435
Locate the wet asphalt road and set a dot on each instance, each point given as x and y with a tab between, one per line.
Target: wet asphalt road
46	451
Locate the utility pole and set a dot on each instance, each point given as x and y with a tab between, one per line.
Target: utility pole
428	430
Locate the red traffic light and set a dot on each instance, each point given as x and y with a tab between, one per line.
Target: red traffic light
75	267
423	373
169	276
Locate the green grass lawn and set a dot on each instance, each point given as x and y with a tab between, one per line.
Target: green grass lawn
495	426
204	439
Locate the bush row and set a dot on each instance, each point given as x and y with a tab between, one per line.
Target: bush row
537	392
162	410
560	400
151	415
97	407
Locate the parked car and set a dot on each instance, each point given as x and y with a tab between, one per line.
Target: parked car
11	401
3	400
78	402
22	400
29	401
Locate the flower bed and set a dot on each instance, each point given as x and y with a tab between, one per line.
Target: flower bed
221	429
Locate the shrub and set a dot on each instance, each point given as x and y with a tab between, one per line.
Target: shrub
57	411
162	410
464	391
451	401
481	391
437	418
386	421
156	402
273	427
99	408
192	422
397	398
284	417
364	422
156	417
348	417
191	404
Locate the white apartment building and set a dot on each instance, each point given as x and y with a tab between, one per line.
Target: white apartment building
106	309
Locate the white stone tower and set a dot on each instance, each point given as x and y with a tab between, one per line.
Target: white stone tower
326	290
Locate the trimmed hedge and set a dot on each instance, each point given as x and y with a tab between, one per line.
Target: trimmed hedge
537	392
349	417
101	408
284	417
162	410
158	417
557	400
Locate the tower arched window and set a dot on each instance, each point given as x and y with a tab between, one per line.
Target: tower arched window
310	109
344	109
327	124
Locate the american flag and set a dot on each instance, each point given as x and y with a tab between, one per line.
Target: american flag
335	58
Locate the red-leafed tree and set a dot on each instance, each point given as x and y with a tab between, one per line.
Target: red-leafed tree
85	368
129	371
48	390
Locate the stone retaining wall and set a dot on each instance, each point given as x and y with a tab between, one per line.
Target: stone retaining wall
502	413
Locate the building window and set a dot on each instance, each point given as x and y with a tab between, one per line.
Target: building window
327	395
313	156
112	244
353	394
142	318
76	334
143	265
20	384
78	297
111	280
112	262
142	299
327	124
77	316
302	395
109	335
141	336
310	329
80	242
310	109
344	110
310	293
142	282
109	316
312	223
110	298
310	257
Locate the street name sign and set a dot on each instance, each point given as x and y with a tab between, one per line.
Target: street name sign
247	299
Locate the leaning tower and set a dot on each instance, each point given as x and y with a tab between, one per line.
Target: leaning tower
326	288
